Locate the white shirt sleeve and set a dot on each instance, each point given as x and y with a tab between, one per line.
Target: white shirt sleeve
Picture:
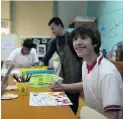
12	55
111	93
35	56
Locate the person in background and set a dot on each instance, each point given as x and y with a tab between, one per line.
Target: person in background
101	81
24	56
70	62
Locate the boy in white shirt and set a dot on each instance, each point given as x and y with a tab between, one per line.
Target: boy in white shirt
101	81
24	56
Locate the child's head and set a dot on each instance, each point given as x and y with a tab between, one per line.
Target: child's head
86	40
27	46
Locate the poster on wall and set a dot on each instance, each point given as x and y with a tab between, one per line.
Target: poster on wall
36	41
5	27
44	40
41	50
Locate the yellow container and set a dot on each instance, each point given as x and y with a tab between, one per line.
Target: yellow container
23	88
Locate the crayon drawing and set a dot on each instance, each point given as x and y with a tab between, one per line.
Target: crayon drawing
49	99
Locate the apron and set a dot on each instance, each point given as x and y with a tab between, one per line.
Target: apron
70	65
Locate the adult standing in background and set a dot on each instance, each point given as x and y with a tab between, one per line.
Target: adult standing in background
70	62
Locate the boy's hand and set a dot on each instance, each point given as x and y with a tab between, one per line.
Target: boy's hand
56	86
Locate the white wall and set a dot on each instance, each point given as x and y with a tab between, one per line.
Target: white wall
30	18
68	10
5	10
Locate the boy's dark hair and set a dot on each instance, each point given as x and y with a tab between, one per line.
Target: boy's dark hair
90	31
57	21
28	43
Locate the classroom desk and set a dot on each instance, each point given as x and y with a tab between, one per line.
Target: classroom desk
19	109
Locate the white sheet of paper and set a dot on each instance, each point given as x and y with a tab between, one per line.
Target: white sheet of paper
48	99
7	96
14	87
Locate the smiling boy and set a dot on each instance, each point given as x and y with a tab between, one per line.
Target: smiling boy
101	81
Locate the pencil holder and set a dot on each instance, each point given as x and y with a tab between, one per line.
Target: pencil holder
23	88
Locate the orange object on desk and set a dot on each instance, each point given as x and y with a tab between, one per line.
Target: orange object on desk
19	108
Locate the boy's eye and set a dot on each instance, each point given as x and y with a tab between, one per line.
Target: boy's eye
84	37
75	38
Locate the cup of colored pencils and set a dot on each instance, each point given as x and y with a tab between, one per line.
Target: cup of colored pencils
22	84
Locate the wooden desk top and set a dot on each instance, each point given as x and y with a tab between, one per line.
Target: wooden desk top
19	109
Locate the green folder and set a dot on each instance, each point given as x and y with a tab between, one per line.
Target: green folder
41	80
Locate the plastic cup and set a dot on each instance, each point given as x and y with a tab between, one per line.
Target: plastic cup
23	88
